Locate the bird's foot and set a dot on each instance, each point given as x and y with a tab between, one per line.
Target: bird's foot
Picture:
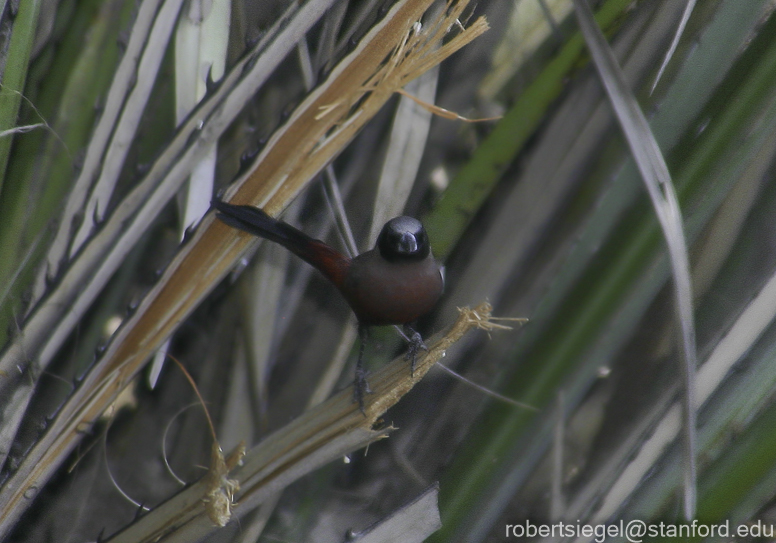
360	387
416	345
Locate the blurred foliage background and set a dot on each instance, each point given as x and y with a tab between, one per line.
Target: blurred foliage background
542	212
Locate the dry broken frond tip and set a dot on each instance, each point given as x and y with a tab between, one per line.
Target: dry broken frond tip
418	52
394	381
220	488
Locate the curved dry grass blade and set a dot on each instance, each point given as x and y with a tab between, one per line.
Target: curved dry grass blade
688	9
317	130
657	179
320	435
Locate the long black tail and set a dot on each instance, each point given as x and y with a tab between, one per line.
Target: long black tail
255	221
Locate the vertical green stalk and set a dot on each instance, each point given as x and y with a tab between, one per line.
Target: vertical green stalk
17	63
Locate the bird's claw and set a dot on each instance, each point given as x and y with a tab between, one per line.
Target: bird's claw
415	345
360	387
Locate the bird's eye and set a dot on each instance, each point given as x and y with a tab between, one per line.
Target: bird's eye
403	238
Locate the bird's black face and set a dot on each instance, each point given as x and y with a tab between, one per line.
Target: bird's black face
403	238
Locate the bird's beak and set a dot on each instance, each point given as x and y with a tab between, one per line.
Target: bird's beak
408	244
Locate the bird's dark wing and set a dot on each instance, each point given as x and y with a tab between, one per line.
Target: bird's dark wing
253	220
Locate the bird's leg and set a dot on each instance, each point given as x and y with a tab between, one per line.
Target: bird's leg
415	344
360	386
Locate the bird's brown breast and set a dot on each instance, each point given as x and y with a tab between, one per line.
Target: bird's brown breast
382	292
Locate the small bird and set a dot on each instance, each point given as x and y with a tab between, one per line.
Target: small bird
395	283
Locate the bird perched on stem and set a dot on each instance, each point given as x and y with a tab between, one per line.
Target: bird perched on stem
395	283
